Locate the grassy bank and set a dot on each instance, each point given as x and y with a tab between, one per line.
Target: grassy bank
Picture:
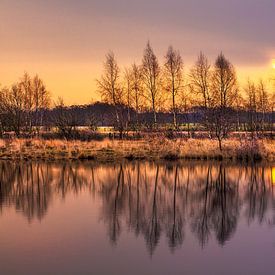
150	149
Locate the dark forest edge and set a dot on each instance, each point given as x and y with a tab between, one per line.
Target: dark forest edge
149	102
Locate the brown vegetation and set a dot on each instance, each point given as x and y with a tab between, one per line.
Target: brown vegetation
153	148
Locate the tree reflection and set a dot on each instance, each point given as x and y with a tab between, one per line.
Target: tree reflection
257	195
201	219
26	187
152	229
151	200
224	206
174	218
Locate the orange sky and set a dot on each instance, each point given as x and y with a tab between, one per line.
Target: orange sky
65	41
75	82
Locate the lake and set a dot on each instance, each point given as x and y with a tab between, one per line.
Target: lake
137	218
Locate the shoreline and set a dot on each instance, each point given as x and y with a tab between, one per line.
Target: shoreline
151	149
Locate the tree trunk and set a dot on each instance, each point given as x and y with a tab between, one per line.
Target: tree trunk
154	112
220	143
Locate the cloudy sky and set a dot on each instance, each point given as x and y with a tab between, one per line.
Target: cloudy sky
65	41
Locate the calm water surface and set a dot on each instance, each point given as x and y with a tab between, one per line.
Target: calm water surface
136	218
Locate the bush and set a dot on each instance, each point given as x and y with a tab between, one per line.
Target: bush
249	150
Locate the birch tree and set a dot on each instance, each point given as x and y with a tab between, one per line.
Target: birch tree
151	78
173	72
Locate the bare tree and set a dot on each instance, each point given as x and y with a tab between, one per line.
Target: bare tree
137	89
220	117
42	100
110	87
64	120
12	109
173	70
251	105
127	77
25	85
239	105
151	77
219	122
224	82
23	104
200	79
262	102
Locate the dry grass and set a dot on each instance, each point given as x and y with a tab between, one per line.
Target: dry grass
149	148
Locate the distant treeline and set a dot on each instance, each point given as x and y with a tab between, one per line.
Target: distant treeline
100	114
147	96
67	119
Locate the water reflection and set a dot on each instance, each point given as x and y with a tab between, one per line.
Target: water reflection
148	199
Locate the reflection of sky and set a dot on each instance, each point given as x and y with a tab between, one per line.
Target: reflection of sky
66	40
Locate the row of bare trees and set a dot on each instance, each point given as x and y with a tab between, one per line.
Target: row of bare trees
209	90
152	87
22	105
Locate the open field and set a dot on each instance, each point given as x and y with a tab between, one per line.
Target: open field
148	148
